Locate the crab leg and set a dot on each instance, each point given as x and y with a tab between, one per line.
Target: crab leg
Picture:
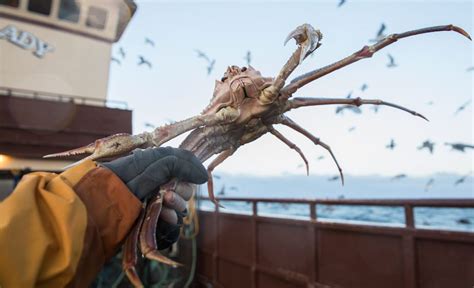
148	245
307	39
122	143
218	160
365	52
291	145
301	102
292	124
130	253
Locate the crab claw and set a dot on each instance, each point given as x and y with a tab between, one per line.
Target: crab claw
307	37
107	147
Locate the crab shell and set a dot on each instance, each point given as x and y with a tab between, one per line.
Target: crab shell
236	85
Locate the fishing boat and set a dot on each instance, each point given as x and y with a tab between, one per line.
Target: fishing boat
53	97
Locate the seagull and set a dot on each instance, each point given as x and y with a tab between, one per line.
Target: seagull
428	145
430	103
462	179
459	146
391	64
201	54
211	67
349	96
341	2
149	125
429	184
113	59
380	34
462	107
352	108
248	57
320	158
222	191
216	176
375	108
143	61
333	178
234	188
391	145
470	69
463	221
122	52
399	176
351	129
149	41
364	87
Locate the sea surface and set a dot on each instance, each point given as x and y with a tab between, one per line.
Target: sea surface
367	187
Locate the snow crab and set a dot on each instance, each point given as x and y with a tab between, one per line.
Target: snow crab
245	106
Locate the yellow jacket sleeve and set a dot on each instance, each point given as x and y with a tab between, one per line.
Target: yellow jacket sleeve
42	226
59	230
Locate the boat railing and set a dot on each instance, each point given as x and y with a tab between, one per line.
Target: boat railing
267	247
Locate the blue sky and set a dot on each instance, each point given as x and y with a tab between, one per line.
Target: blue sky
431	68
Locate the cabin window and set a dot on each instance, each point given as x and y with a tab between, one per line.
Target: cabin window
40	6
69	10
11	3
96	17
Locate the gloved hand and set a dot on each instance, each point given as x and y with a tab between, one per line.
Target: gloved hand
146	170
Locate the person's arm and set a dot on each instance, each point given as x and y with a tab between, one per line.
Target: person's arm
58	230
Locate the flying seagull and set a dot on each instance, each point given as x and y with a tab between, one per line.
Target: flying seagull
210	62
234	188
211	67
341	2
320	158
201	54
429	184
459	146
375	108
349	96
351	129
352	108
428	145
150	42
392	63
222	191
462	179
248	57
470	69
149	125
333	178
113	59
364	87
391	145
399	176
463	221
380	34
462	107
122	52
143	61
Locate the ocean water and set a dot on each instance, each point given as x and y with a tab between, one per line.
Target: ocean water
370	187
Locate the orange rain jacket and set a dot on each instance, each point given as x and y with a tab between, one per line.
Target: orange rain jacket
58	230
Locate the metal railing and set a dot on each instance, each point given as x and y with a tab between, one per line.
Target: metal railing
278	252
15	92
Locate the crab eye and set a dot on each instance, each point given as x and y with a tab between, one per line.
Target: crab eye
223	78
243	69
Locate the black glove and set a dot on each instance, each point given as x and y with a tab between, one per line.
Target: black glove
145	170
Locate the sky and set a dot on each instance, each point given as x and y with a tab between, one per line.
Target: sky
431	68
